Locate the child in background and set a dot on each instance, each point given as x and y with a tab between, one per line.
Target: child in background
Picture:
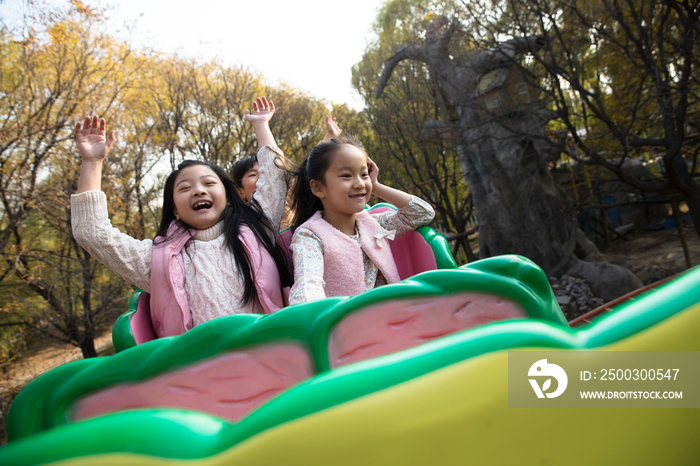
246	171
213	255
338	248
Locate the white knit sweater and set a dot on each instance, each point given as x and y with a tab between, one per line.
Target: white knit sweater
212	283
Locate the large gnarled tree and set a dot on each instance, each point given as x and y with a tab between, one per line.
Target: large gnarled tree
622	77
498	126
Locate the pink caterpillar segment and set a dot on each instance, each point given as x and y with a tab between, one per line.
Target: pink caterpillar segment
229	386
397	325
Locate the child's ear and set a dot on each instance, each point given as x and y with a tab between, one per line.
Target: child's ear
177	217
317	189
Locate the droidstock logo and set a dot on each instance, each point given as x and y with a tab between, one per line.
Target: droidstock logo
542	369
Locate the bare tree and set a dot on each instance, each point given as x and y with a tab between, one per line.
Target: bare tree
623	80
504	151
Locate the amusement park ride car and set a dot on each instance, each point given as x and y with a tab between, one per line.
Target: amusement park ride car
410	373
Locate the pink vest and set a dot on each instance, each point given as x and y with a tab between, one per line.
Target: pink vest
169	310
343	267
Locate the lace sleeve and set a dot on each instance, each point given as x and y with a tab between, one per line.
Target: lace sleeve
271	188
307	253
411	216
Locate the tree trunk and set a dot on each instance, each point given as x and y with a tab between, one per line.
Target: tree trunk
468	249
692	200
681	177
519	209
87	346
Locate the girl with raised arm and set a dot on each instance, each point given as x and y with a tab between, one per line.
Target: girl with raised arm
214	254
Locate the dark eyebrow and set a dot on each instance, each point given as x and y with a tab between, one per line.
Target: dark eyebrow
188	179
182	181
346	168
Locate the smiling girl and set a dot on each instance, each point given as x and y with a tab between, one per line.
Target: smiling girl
213	255
338	248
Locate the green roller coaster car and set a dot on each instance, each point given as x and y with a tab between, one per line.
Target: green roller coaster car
341	392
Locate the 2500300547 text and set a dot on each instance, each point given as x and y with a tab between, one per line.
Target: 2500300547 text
632	374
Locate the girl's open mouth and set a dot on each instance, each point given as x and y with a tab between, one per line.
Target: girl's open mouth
202	205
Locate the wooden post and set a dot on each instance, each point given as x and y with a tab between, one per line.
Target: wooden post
602	215
679	222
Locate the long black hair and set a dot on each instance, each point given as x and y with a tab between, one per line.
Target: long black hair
304	203
241	167
236	213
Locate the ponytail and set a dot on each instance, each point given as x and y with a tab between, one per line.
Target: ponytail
303	202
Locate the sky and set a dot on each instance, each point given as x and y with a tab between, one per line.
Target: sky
308	44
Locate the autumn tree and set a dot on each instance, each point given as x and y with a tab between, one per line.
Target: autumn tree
299	123
200	112
62	65
51	71
136	166
622	78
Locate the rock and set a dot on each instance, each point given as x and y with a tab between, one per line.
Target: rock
563	300
624	229
574	296
584	246
608	281
595	257
633	264
644	275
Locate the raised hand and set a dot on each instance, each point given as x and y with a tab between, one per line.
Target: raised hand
373	171
332	129
92	144
262	111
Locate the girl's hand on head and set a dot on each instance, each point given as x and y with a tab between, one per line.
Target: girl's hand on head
92	144
373	171
262	111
